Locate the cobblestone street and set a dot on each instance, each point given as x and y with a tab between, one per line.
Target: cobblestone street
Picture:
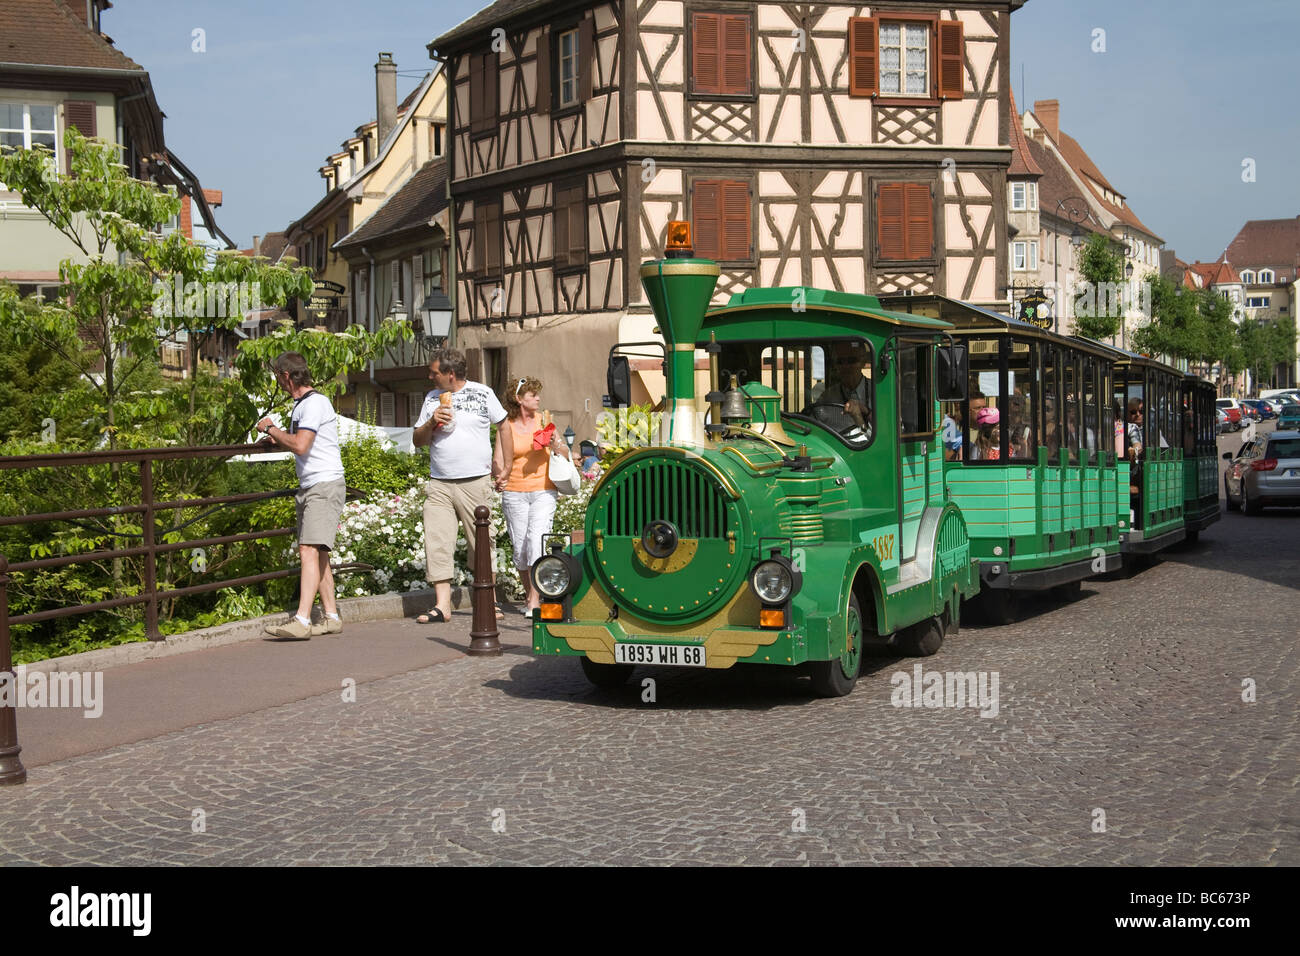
1127	701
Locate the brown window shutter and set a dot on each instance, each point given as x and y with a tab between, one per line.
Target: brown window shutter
543	104
577	228
735	221
952	44
475	92
586	56
889	221
79	114
735	55
706	216
494	237
706	56
492	86
919	217
864	56
473	364
560	240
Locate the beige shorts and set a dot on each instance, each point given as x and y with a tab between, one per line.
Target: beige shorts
319	507
448	503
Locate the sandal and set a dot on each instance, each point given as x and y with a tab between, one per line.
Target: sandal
434	616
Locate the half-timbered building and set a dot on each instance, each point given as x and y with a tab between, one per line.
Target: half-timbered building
858	148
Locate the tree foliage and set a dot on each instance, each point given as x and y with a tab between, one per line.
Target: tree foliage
1096	312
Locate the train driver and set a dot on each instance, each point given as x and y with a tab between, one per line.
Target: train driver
851	391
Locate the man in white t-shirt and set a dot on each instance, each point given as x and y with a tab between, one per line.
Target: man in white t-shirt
455	423
313	437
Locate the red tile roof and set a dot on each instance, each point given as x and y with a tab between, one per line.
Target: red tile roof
47	33
1056	186
1268	244
1022	165
1215	273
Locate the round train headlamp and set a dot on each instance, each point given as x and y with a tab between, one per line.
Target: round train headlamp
773	581
555	575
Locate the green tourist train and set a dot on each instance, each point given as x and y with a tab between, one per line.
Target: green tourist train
838	474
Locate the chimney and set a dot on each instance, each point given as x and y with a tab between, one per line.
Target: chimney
385	96
1049	114
257	249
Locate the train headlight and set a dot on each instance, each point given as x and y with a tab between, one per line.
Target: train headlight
774	580
556	575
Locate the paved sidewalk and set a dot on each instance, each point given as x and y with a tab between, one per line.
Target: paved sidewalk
147	699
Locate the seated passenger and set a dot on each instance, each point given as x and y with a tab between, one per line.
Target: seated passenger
988	442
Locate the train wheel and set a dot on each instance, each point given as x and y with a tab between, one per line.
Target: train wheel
835	678
1193	537
1227	497
923	638
1068	592
606	676
998	606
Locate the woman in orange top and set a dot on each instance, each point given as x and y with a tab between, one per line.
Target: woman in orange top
519	466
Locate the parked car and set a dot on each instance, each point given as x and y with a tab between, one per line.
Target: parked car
1261	410
1263	473
1232	409
1276	404
1221	421
1289	417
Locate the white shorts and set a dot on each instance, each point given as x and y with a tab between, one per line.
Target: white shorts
528	518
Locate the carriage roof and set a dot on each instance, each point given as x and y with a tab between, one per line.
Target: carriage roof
822	300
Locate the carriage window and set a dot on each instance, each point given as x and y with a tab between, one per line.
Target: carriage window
1070	365
1089	412
915	398
1052	412
1019	404
828	381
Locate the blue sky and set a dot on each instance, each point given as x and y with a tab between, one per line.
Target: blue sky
1184	92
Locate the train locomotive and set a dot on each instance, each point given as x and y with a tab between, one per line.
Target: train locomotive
800	507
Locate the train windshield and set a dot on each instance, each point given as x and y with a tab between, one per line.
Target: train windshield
827	380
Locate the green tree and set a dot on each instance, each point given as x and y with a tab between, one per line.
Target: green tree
108	326
1099	306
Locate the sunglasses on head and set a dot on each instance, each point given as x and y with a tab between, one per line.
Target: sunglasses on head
519	386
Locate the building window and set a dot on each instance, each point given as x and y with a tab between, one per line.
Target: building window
1247	276
487	237
1257	301
720	54
570	240
27	125
1265	276
906	58
721	220
1019	196
483	87
904	221
1024	255
568	48
1032	190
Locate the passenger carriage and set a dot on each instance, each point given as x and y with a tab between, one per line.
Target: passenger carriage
1200	457
1042	506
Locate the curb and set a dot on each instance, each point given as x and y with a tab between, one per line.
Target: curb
374	607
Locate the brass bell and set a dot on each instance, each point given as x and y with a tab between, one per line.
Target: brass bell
734	406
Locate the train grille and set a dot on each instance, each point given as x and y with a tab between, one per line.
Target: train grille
670	492
806	521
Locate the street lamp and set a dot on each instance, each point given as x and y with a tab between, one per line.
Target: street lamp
1076	212
568	437
436	315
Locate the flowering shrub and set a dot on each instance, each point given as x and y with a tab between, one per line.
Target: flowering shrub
386	531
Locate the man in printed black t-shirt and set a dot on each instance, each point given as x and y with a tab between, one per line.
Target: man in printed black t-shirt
313	437
455	423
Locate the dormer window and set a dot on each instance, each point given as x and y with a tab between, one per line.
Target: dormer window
1247	276
1266	276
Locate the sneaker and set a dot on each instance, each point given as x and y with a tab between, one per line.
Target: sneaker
328	625
291	628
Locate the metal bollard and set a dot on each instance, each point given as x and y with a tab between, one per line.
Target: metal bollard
11	768
484	636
